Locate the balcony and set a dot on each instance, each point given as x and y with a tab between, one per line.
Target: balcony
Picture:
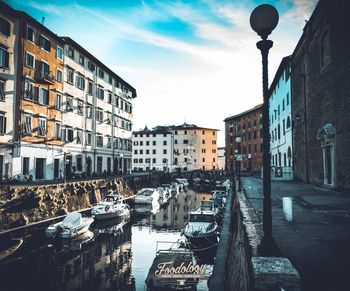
45	78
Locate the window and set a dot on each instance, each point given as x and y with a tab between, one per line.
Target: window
59	53
88	111
4	58
69	104
185	141
284	127
147	143
90	87
44	43
30	60
147	152
213	151
204	151
154	143
31	34
2	124
164	152
88	138
71	52
25	169
79	160
44	68
91	66
203	160
57	132
154	152
287	99
99	115
70	134
99	140
59	75
110	80
29	91
58	101
109	118
203	141
27	124
109	97
80	107
70	76
100	92
41	127
101	73
81	60
164	142
4	27
79	136
325	50
80	82
288	122
43	96
213	142
283	105
109	142
2	90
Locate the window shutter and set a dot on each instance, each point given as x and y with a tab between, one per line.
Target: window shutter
36	93
6	59
4	129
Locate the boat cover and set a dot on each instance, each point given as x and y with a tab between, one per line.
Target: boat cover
72	219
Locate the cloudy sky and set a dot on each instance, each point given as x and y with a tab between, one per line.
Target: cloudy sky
190	61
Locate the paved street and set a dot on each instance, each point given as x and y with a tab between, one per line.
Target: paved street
318	240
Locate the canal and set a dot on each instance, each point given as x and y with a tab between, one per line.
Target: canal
114	255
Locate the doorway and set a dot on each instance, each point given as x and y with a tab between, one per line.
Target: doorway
39	169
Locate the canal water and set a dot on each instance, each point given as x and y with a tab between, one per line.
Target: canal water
114	255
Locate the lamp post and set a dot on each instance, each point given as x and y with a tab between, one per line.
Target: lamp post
263	21
238	160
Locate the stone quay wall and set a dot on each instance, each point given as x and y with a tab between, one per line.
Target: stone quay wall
24	204
238	265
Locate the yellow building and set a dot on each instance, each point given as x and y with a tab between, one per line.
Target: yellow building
195	147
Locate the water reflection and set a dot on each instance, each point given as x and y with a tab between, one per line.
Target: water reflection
115	255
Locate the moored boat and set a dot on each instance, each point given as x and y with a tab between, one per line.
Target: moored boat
72	226
146	196
112	206
201	228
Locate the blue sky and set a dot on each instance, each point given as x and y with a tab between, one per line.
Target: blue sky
193	61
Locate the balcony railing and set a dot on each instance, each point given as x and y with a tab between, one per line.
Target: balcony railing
46	78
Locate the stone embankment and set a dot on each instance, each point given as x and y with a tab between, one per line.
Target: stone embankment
21	205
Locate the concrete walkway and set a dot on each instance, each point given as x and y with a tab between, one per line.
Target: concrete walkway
318	240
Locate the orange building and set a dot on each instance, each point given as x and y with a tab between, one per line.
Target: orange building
248	126
38	117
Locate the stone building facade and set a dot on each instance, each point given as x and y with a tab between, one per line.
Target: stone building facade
321	97
248	126
63	113
9	45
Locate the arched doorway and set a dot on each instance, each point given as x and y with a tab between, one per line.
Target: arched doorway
326	135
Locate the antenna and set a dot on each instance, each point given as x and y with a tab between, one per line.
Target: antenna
42	19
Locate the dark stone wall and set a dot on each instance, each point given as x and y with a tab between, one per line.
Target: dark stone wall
321	93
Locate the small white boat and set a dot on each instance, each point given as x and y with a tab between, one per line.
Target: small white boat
72	226
112	206
202	228
146	196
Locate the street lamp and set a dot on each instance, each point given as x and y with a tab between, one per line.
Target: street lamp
263	21
238	160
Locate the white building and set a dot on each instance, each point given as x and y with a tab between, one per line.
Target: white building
153	150
97	115
8	88
281	122
221	158
175	148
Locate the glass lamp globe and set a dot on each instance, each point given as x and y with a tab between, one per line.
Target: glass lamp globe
264	19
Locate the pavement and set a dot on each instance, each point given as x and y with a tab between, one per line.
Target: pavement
317	241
